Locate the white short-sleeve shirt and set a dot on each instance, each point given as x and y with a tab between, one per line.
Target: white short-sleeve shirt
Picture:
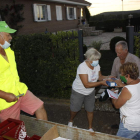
93	76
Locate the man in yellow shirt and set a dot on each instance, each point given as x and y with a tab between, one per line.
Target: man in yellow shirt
14	95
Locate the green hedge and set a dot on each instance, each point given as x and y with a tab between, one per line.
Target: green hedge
47	63
109	25
137	45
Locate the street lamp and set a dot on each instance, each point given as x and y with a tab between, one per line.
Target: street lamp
129	17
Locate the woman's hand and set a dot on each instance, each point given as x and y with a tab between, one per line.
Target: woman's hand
104	83
110	78
119	83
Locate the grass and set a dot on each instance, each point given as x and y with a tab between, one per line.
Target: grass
106	61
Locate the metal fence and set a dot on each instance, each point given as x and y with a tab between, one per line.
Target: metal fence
132	31
137	28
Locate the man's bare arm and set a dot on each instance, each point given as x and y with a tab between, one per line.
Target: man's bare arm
9	97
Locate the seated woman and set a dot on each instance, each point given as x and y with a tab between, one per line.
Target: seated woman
129	102
83	87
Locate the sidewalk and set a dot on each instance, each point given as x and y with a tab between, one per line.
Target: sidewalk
104	37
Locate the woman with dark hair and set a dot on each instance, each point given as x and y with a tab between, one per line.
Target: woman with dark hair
129	102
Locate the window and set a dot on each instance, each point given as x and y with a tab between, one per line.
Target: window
58	12
71	13
42	12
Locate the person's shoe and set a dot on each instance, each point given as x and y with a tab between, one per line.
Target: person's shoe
70	124
91	130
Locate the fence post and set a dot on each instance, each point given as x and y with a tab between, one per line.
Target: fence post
130	38
80	38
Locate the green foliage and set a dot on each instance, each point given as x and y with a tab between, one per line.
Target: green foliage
137	45
114	16
4	11
113	42
16	16
109	25
47	63
96	45
12	14
87	14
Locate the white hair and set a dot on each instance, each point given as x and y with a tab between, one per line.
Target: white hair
123	44
92	54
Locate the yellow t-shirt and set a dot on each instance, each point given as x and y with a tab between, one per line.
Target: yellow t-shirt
9	79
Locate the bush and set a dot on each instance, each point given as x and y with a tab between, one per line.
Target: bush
96	45
109	25
137	45
113	42
47	63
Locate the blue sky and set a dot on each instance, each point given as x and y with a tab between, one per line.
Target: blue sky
100	6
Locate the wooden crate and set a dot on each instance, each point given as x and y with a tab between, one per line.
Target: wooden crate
39	127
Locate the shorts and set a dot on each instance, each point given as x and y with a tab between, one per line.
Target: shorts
77	100
124	132
28	103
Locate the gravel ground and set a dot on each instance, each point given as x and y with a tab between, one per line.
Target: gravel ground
104	37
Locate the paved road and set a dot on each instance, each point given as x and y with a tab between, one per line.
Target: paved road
102	121
59	111
104	37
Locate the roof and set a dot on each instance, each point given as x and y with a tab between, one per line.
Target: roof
73	2
81	1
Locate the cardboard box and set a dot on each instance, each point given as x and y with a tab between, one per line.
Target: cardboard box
52	134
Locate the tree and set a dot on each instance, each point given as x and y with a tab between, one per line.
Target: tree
12	15
87	13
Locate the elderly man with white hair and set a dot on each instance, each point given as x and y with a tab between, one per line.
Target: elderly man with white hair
14	95
123	56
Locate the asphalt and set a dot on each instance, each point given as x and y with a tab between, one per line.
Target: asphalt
104	121
106	118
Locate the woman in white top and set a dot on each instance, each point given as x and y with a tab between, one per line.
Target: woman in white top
83	87
129	102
